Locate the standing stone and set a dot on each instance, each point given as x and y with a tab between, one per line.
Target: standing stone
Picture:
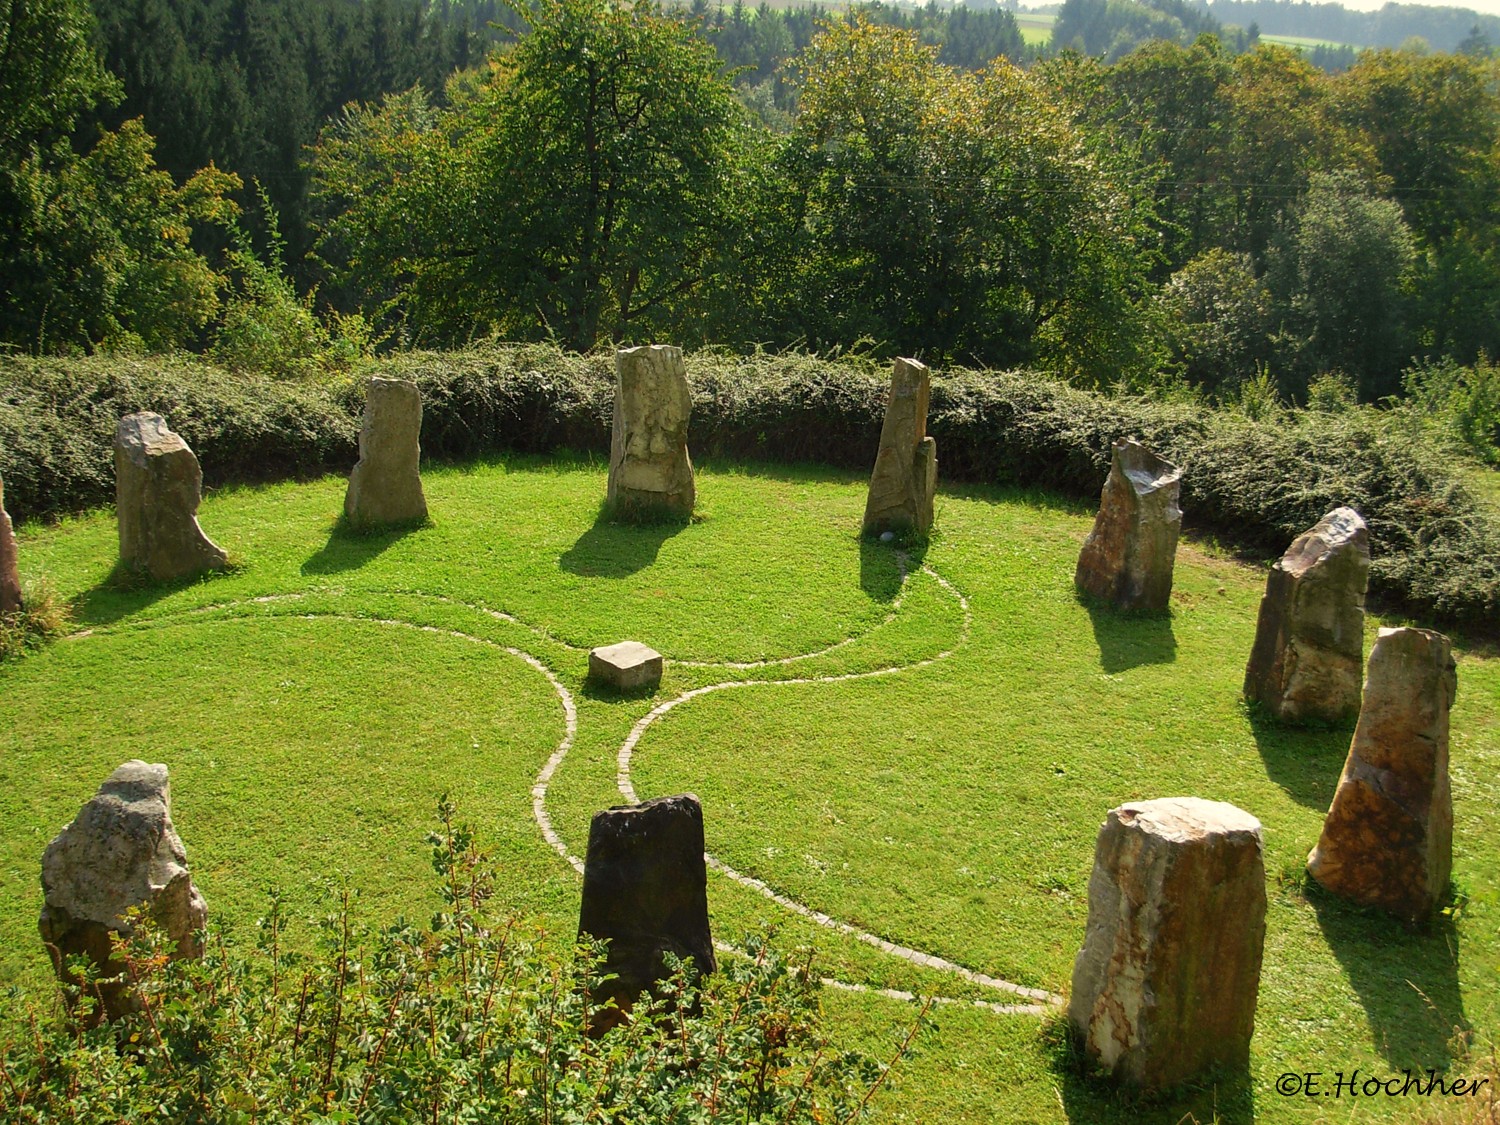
645	890
1388	838
1127	558
386	486
1165	985
1309	641
10	574
650	473
905	477
120	852
158	485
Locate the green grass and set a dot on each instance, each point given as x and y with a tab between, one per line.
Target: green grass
314	703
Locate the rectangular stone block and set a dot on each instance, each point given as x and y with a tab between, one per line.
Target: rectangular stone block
627	666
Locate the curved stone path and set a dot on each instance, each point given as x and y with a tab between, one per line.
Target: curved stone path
1033	1000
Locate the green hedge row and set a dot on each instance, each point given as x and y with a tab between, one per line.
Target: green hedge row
1256	484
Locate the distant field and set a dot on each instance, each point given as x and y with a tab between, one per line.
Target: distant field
1036	27
1302	41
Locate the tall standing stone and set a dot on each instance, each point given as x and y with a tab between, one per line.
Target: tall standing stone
158	486
1127	558
10	574
645	891
120	852
1309	641
1388	838
650	473
905	477
386	484
1165	985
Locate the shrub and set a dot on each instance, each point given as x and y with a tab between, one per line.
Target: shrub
464	1019
43	617
1257	481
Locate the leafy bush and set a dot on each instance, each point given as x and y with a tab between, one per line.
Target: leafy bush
1461	403
58	418
462	1020
1257	481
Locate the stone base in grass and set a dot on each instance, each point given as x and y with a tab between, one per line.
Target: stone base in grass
627	666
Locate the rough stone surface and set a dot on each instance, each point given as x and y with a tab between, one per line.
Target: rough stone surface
121	851
158	485
1309	642
10	574
386	486
645	891
905	477
650	473
1166	982
626	666
1127	558
1388	838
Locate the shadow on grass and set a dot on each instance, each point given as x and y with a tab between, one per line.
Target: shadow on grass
1407	981
879	568
614	548
1092	1098
1305	761
1129	640
604	693
124	592
350	547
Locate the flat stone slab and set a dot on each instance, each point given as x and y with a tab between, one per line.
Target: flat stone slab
626	666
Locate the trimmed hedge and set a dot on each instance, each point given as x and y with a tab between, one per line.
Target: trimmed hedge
1256	484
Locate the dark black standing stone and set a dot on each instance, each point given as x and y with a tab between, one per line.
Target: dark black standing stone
645	891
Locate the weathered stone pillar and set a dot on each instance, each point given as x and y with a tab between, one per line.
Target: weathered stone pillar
10	573
1166	982
1309	640
645	890
1127	558
905	477
650	474
158	485
386	484
1388	838
121	851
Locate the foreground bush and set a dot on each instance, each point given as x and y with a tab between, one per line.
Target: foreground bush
1257	482
459	1021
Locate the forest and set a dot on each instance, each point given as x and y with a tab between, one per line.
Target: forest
289	186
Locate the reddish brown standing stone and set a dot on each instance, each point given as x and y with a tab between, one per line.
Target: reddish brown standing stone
1309	640
10	574
1165	985
645	891
158	486
1127	558
904	482
1388	838
120	852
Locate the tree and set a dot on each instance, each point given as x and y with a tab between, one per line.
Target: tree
1219	320
944	213
49	73
1341	270
584	190
94	248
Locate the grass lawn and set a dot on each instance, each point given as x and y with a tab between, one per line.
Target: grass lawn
925	759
